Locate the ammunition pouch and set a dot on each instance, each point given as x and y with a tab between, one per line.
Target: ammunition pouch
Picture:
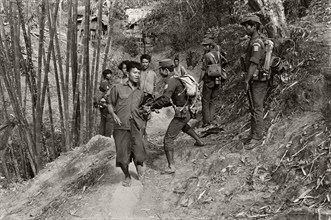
261	75
193	111
181	111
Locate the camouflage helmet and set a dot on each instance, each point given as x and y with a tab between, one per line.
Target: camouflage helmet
207	41
253	18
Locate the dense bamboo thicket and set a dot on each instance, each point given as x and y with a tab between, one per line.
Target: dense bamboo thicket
47	80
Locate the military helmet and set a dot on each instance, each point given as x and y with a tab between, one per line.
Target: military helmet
250	18
207	41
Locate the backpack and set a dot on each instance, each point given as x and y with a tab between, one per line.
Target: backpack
191	86
215	69
263	71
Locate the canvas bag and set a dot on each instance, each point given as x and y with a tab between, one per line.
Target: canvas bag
215	69
191	86
192	91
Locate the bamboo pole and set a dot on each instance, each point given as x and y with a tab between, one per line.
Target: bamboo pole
110	30
86	97
66	82
75	125
23	125
52	28
59	98
38	122
96	72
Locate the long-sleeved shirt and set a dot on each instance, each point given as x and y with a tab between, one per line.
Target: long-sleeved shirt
148	80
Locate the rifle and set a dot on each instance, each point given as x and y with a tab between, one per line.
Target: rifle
249	93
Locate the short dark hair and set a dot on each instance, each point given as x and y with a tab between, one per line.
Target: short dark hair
253	23
106	71
176	58
133	64
145	56
125	62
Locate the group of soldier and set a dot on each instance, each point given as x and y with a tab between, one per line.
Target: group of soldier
128	103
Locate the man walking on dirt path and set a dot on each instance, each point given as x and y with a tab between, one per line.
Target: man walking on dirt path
176	96
211	85
147	81
124	102
106	123
255	82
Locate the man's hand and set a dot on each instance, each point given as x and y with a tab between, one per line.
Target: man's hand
117	119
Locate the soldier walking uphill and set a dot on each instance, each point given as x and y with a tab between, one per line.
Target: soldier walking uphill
211	85
124	102
106	124
147	81
174	95
255	82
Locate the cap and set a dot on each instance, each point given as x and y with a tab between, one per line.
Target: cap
206	41
250	18
166	63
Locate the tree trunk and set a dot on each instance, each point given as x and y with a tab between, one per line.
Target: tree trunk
273	16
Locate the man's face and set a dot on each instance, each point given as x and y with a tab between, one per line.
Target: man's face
164	72
206	48
176	62
124	69
134	75
145	64
249	29
108	76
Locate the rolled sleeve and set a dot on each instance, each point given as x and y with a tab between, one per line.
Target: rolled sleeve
112	97
256	53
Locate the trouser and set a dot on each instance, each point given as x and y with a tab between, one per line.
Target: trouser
176	125
258	91
129	146
209	96
106	124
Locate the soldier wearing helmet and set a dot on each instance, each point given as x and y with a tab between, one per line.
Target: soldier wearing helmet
211	85
255	85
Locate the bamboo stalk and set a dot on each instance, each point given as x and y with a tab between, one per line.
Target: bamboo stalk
4	163
110	30
16	166
75	126
59	98
66	82
86	79
38	122
96	72
52	28
23	126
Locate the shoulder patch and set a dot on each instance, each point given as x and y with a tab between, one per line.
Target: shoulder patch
256	47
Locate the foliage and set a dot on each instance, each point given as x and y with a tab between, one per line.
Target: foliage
131	46
187	21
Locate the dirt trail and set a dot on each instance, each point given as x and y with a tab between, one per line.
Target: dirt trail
82	184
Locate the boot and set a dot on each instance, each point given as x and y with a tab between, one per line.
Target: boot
171	162
196	137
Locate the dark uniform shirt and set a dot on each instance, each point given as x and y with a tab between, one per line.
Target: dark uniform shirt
125	101
174	93
254	52
209	58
